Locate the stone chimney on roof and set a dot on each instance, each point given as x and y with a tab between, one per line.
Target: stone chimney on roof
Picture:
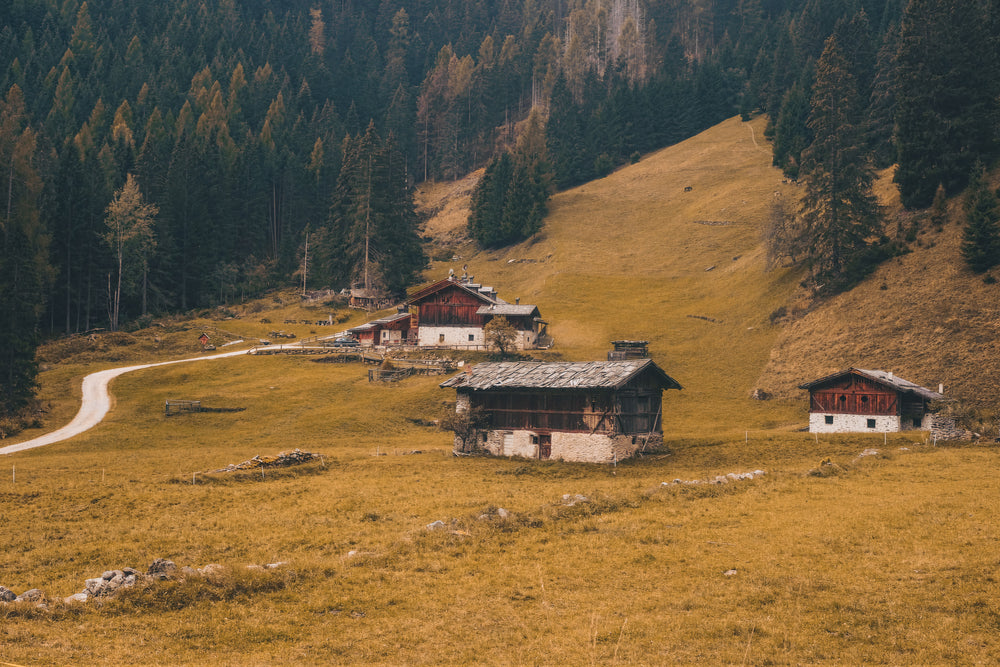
517	300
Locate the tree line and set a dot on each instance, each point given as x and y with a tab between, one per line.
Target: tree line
252	129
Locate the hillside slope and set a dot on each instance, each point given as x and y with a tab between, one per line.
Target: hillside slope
669	250
666	250
923	315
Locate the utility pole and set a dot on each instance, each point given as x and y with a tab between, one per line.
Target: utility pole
305	265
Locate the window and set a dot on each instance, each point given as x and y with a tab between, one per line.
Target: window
441	338
871	423
864	400
472	337
828	419
485	436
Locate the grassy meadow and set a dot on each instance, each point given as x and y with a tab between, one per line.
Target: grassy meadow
889	558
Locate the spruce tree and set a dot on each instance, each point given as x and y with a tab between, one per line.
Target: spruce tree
24	268
839	212
947	103
486	210
981	239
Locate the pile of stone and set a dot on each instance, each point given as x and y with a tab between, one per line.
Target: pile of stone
282	460
111	582
719	479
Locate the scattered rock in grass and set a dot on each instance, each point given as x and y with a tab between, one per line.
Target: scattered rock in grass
502	513
719	479
34	595
868	452
111	582
572	499
282	460
161	569
436	525
730	572
760	395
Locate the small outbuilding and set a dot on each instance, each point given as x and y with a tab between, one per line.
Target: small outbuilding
385	331
860	401
600	411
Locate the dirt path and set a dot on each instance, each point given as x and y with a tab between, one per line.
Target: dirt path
95	403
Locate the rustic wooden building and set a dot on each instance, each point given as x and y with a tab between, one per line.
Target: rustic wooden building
599	411
858	401
364	298
628	349
452	313
390	330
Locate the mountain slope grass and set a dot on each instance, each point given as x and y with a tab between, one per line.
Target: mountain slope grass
884	558
666	250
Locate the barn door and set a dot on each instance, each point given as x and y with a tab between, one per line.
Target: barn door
544	446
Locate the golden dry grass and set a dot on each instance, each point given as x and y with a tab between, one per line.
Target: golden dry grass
881	559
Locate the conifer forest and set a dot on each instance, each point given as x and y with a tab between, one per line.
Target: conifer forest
163	156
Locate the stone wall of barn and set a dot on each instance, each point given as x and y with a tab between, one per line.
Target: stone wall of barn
583	447
458	337
843	423
467	337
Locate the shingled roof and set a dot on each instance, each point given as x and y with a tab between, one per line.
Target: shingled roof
508	309
884	378
557	375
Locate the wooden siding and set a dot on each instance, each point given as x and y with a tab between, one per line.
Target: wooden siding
451	306
631	411
854	395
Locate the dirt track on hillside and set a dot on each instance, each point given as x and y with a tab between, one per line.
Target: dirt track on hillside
95	403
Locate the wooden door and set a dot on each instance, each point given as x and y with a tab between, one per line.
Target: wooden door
544	446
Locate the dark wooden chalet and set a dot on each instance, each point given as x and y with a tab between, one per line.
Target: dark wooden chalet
866	400
596	411
450	302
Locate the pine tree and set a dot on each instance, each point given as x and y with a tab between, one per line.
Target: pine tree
981	238
839	212
947	102
24	268
372	235
488	198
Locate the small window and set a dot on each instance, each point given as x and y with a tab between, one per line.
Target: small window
828	419
864	400
842	398
871	423
440	338
534	439
472	337
484	435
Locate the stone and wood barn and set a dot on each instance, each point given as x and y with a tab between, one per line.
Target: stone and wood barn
600	411
859	401
451	313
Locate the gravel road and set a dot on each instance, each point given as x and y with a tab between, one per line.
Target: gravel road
96	402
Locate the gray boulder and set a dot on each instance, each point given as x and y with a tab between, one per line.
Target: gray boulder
162	569
34	595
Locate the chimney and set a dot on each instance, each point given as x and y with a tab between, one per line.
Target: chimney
517	300
940	388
